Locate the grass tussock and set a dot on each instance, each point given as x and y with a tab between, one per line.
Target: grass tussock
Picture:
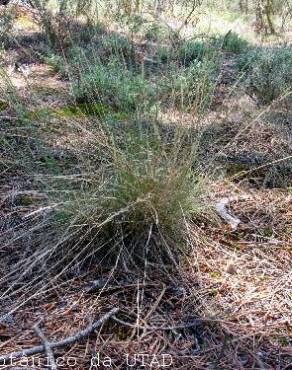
136	206
233	43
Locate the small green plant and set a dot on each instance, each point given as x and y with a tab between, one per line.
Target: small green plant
156	33
191	51
164	54
9	95
245	61
7	17
197	51
57	63
116	46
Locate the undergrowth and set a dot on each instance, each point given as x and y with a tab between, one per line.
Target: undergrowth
192	88
268	73
113	84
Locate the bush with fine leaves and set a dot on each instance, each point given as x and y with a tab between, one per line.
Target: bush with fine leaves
192	88
233	43
269	73
137	205
196	51
115	85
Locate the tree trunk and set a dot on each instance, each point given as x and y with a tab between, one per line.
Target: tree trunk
264	13
269	12
243	5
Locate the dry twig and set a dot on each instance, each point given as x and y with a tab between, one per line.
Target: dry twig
49	352
62	343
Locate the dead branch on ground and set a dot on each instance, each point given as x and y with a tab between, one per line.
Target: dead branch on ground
49	352
62	343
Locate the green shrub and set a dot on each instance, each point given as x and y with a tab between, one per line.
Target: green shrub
7	18
10	96
81	34
115	85
165	54
116	46
188	52
57	63
269	73
233	43
192	88
245	61
156	32
195	51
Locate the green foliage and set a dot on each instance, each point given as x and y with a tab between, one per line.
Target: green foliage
7	17
57	63
245	61
117	46
191	51
3	105
233	43
269	73
192	88
9	94
165	54
187	52
46	21
156	33
114	84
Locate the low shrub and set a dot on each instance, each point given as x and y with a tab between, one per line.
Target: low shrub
57	63
269	73
156	33
7	18
164	54
113	84
233	43
117	46
245	61
187	52
192	88
196	51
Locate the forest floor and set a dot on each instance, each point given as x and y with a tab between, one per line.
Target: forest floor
237	287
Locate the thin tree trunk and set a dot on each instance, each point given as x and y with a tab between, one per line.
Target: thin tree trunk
269	12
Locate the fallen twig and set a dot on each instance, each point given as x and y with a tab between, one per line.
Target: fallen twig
62	343
49	352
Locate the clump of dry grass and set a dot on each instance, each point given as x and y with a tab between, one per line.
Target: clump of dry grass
133	207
